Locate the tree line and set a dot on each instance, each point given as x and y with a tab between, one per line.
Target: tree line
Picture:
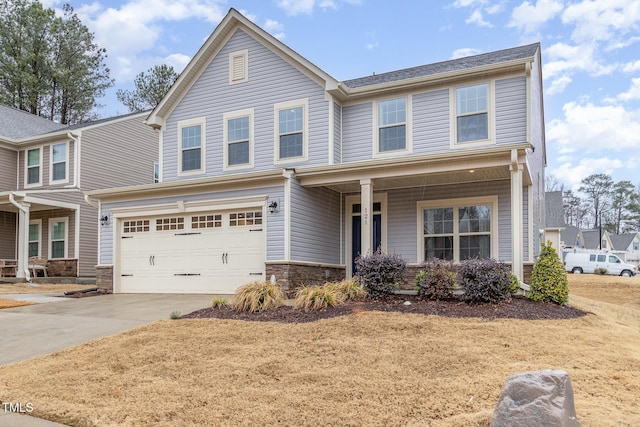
600	201
50	66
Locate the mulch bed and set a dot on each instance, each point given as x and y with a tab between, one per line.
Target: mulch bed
516	308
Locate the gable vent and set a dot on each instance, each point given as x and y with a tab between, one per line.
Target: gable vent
238	67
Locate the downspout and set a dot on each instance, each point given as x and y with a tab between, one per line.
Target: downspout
25	213
76	160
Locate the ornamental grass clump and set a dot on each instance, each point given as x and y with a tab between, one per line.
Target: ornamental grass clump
548	278
485	281
436	280
349	288
258	296
380	273
311	298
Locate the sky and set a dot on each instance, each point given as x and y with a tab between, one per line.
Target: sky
590	54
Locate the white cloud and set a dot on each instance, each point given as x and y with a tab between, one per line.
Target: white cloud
529	18
587	128
297	7
602	20
558	85
177	60
467	51
477	18
573	174
633	93
275	28
631	67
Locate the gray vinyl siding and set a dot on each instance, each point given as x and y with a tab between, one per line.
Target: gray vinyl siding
46	167
430	122
337	134
8	224
45	216
272	80
8	162
357	132
402	214
315	224
118	154
275	221
511	111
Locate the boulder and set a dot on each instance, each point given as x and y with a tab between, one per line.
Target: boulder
537	398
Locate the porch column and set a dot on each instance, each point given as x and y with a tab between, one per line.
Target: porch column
22	270
516	215
366	223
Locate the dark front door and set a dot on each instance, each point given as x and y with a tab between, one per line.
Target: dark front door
356	236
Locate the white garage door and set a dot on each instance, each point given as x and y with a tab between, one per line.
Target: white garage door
208	252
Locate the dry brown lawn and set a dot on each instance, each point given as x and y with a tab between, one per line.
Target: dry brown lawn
23	288
370	368
8	303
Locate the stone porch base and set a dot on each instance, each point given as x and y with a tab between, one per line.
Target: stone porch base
293	275
104	278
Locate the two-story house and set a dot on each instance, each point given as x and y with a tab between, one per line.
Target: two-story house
270	166
45	168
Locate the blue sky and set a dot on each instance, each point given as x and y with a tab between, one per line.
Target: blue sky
591	54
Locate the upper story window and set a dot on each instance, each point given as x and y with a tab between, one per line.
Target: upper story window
156	172
33	173
472	113
238	134
392	125
239	66
636	246
191	140
291	130
59	160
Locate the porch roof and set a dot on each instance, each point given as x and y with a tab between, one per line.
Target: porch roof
492	164
35	203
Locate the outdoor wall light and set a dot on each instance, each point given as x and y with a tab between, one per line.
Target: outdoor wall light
104	220
273	207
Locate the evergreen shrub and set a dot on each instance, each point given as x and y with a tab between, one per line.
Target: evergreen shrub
548	278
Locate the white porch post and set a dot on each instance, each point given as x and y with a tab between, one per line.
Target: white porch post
23	239
516	215
366	223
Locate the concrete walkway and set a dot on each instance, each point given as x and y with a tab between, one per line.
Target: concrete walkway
56	323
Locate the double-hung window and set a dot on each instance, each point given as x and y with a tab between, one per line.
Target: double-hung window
291	127
34	237
33	174
238	134
191	136
58	237
392	125
458	230
59	160
472	113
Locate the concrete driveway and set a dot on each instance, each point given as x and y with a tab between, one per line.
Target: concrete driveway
43	328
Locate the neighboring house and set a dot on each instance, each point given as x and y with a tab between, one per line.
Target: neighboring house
628	245
270	166
44	169
554	220
597	239
572	238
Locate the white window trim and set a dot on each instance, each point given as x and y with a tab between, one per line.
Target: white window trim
456	203
37	222
408	129
66	164
66	236
491	114
26	167
304	103
201	121
244	54
236	115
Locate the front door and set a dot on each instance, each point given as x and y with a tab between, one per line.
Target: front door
356	230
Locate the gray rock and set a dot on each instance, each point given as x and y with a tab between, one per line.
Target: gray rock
537	398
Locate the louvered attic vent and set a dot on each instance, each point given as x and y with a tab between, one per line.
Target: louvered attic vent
238	67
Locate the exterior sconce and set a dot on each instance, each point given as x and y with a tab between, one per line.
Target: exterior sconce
104	220
273	207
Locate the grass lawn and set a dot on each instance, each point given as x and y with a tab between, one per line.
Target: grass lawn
369	368
8	303
23	288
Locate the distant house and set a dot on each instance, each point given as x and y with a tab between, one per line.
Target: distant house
572	238
270	166
597	239
45	168
628	246
554	219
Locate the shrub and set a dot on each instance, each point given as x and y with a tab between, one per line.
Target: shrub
349	288
258	296
436	280
317	297
379	273
548	278
602	271
218	302
515	284
485	280
175	315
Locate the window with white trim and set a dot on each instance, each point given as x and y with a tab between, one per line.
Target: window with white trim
239	66
191	139
135	226
156	172
35	237
58	234
636	246
33	172
237	219
238	139
59	160
457	231
291	129
472	113
392	125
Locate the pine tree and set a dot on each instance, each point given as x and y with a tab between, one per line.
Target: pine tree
150	88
